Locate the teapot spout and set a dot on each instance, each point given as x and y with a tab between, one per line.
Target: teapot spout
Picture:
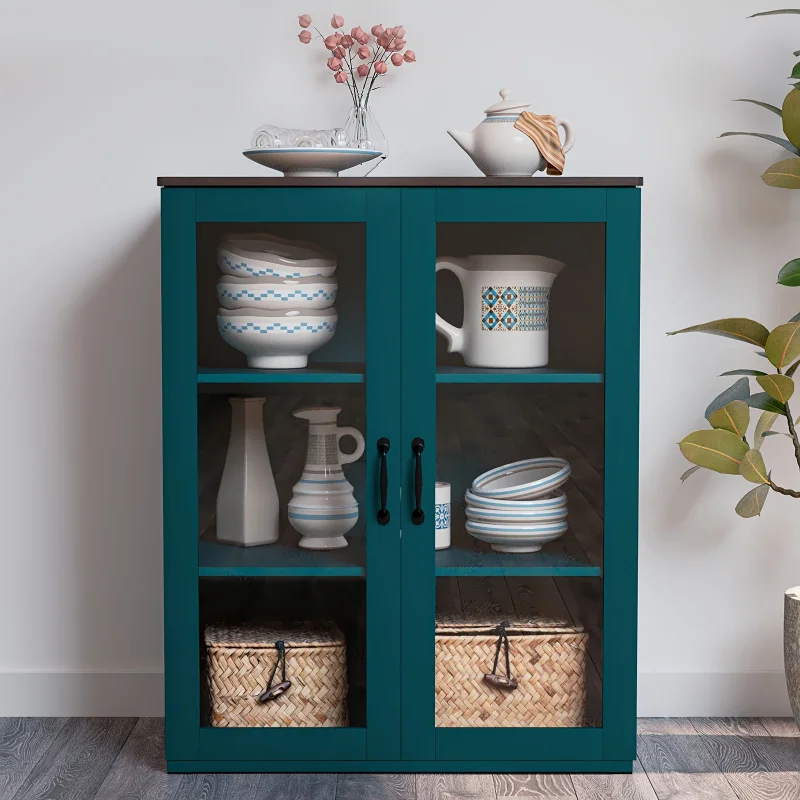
465	141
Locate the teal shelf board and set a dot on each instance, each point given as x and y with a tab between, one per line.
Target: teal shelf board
314	373
447	374
282	559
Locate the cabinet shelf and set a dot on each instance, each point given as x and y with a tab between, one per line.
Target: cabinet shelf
282	559
452	374
314	373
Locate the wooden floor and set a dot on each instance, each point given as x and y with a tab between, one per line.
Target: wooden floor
122	759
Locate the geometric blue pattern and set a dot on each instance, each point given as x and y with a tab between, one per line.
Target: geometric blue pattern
490	297
301	327
441	516
490	320
515	308
259	273
278	294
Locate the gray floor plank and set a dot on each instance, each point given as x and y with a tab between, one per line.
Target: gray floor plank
455	787
23	740
300	786
756	765
678	763
138	773
376	787
780	726
223	787
554	787
635	786
78	760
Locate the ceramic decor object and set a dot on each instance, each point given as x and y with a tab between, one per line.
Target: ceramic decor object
308	162
504	537
247	500
323	507
478	514
506	310
499	149
277	339
442	515
522	480
265	256
546	503
275	294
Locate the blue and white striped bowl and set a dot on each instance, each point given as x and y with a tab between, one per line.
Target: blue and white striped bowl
556	500
476	514
513	538
522	480
276	294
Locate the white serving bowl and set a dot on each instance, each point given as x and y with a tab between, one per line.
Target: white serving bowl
322	529
277	339
556	500
275	294
265	256
477	514
522	480
512	538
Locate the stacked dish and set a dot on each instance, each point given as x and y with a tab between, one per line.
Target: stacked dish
519	507
276	299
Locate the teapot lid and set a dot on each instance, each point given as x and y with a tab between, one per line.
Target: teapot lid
506	106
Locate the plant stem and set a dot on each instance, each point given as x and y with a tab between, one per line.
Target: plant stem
781	490
793	433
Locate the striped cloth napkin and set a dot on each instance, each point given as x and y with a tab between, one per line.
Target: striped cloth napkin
544	133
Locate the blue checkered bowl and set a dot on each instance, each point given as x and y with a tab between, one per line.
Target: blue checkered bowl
277	339
276	294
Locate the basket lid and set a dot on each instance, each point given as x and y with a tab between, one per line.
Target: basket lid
489	622
292	634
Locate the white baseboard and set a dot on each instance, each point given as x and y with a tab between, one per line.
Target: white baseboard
141	694
81	694
712	694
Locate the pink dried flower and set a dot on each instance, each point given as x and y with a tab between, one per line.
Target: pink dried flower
304	36
364	52
399	31
304	20
397	59
337	22
377	30
409	56
331	42
339	52
340	77
381	68
356	32
334	63
384	39
347	41
364	38
363	70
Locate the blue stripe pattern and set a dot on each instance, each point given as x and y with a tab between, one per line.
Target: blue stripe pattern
542	484
351	515
277	294
251	327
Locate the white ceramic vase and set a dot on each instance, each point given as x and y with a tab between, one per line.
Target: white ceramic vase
247	501
506	309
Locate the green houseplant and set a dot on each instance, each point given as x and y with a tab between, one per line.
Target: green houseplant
724	445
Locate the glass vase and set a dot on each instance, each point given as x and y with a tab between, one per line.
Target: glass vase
362	131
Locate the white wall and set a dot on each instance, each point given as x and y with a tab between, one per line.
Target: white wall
99	98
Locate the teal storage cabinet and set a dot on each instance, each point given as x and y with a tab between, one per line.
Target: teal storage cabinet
443	421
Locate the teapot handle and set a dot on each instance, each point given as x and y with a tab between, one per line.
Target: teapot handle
347	458
454	335
569	135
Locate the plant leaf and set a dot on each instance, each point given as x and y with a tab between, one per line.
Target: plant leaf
719	450
778	387
749	372
739	391
795	72
765	422
689	472
790	372
752	467
783	344
778	11
777	433
784	143
746	330
790	273
766	403
783	174
790	116
768	106
734	417
752	503
795	318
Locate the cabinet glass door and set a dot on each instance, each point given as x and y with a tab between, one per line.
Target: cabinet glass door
282	571
505	424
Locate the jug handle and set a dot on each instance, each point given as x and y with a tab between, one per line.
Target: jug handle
347	458
569	135
454	335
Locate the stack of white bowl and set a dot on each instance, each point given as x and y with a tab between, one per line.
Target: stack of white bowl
276	299
519	507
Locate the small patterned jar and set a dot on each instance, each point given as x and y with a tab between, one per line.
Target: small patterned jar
442	515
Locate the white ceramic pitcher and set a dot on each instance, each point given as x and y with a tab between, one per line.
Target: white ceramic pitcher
506	309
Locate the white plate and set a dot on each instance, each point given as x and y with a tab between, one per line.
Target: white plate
311	162
556	500
522	480
477	514
507	538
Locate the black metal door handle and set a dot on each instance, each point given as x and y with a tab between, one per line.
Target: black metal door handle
418	515
383	512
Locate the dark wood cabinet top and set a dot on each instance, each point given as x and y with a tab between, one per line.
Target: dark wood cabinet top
606	183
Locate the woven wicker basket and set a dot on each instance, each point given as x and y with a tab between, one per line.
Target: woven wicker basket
548	661
241	658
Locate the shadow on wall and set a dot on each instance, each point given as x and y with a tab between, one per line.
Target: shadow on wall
111	356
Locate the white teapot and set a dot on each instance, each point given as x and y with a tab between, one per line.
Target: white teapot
499	149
